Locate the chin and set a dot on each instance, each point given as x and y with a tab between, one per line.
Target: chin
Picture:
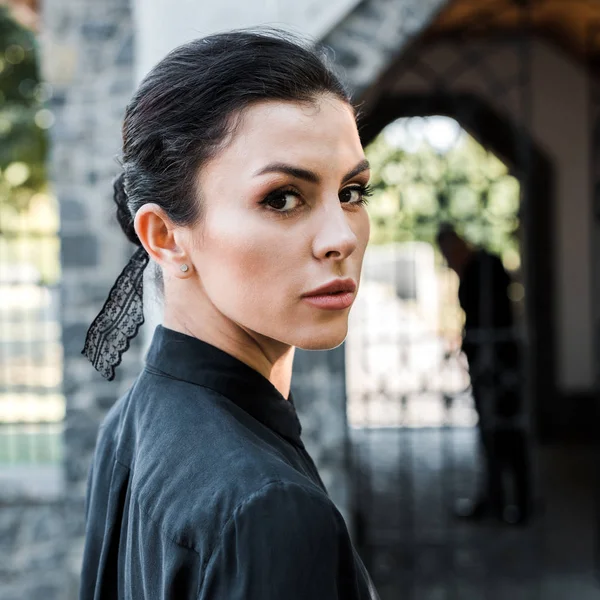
321	337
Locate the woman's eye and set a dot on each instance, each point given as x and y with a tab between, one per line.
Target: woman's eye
355	195
288	201
283	201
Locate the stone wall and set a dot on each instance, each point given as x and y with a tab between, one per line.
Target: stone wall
32	532
32	549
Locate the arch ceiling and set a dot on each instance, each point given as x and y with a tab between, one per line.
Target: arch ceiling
572	24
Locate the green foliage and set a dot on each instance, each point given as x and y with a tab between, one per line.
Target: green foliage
23	119
28	212
467	186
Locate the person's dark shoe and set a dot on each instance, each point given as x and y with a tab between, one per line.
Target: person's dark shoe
471	509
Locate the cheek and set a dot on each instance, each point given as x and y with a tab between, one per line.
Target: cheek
365	229
245	261
363	232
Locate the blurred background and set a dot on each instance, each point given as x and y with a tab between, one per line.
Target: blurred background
482	114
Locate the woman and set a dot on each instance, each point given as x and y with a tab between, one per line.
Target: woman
244	181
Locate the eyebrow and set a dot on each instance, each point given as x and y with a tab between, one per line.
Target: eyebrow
307	175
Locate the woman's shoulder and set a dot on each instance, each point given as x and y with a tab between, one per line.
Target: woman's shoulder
195	503
284	533
195	458
282	500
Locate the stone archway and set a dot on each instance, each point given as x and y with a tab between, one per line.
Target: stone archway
372	36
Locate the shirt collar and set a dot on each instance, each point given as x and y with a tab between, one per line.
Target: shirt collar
190	359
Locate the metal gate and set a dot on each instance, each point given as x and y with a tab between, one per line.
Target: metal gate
31	400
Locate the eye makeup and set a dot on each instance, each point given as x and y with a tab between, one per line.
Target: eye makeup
283	194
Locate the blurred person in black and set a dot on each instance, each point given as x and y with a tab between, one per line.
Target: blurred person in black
495	368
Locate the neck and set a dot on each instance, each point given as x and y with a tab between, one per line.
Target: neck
271	358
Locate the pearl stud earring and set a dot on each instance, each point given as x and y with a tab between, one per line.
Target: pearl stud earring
184	268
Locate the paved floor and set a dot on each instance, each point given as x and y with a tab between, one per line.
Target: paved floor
416	550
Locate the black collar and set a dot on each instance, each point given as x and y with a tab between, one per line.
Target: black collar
190	359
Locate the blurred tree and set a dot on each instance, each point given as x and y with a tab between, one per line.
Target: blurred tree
466	185
23	118
28	212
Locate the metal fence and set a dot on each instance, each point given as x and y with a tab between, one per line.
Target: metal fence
31	401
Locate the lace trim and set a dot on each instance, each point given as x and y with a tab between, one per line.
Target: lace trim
120	319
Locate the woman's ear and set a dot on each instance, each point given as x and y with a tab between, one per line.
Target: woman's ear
157	234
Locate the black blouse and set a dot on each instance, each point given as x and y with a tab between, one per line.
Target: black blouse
201	488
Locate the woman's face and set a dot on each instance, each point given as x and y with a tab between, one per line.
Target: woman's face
282	216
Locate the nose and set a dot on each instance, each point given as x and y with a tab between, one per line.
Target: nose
335	238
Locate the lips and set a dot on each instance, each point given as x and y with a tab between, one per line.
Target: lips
338	286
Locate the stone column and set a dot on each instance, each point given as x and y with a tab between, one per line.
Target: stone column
87	58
